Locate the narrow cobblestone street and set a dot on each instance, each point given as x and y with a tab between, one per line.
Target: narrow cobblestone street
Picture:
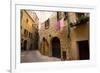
35	56
54	36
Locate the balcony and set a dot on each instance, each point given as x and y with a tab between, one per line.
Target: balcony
81	20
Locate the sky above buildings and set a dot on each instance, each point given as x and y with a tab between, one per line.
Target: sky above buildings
43	15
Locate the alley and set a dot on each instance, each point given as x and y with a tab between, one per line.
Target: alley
54	36
36	56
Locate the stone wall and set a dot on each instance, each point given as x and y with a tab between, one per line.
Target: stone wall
28	30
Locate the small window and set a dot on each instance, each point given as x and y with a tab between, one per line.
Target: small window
25	32
57	15
47	24
65	15
27	20
30	35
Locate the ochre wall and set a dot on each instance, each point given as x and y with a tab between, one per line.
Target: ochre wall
30	26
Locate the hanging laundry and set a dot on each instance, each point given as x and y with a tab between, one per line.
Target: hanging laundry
57	27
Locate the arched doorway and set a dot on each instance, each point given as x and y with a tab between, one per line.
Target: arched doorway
25	45
56	51
44	46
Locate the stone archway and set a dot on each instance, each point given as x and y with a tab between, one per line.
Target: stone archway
56	47
44	46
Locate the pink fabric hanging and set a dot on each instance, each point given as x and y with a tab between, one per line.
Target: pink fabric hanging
57	27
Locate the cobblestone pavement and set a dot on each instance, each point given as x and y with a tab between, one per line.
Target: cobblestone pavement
35	56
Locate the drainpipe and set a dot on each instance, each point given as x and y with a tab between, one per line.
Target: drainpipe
69	40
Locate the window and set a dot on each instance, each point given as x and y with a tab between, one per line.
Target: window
30	35
57	15
65	15
25	32
47	24
27	20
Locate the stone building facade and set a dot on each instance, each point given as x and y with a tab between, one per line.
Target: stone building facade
61	41
29	30
53	39
79	35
